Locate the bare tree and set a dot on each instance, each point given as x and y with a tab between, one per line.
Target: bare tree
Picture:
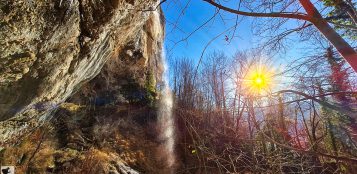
278	9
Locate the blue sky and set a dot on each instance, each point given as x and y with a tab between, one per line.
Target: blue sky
195	15
198	12
179	26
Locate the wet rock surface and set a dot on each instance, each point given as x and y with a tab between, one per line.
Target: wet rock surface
51	49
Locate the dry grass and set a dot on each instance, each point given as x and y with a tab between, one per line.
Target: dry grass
111	137
29	155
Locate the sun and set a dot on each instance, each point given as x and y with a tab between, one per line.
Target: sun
259	79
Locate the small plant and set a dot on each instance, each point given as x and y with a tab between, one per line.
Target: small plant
141	94
150	87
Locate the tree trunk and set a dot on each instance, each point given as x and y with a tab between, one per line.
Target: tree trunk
346	51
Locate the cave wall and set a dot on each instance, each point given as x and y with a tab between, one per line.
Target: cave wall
51	49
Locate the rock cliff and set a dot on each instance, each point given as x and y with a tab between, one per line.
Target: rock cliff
51	49
78	81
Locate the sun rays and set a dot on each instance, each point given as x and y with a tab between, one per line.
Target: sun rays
259	79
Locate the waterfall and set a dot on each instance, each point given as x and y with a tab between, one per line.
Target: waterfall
165	117
166	126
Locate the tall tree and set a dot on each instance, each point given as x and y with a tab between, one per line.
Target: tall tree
343	14
340	84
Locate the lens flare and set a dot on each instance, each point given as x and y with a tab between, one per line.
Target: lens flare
259	79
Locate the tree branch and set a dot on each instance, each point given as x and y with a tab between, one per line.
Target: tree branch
323	103
299	16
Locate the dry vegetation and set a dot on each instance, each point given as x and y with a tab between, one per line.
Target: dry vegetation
225	129
86	140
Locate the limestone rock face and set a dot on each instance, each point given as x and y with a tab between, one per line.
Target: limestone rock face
49	49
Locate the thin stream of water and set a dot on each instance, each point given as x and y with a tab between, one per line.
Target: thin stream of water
166	120
166	123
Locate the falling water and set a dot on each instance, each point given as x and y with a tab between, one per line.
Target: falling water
165	117
166	120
